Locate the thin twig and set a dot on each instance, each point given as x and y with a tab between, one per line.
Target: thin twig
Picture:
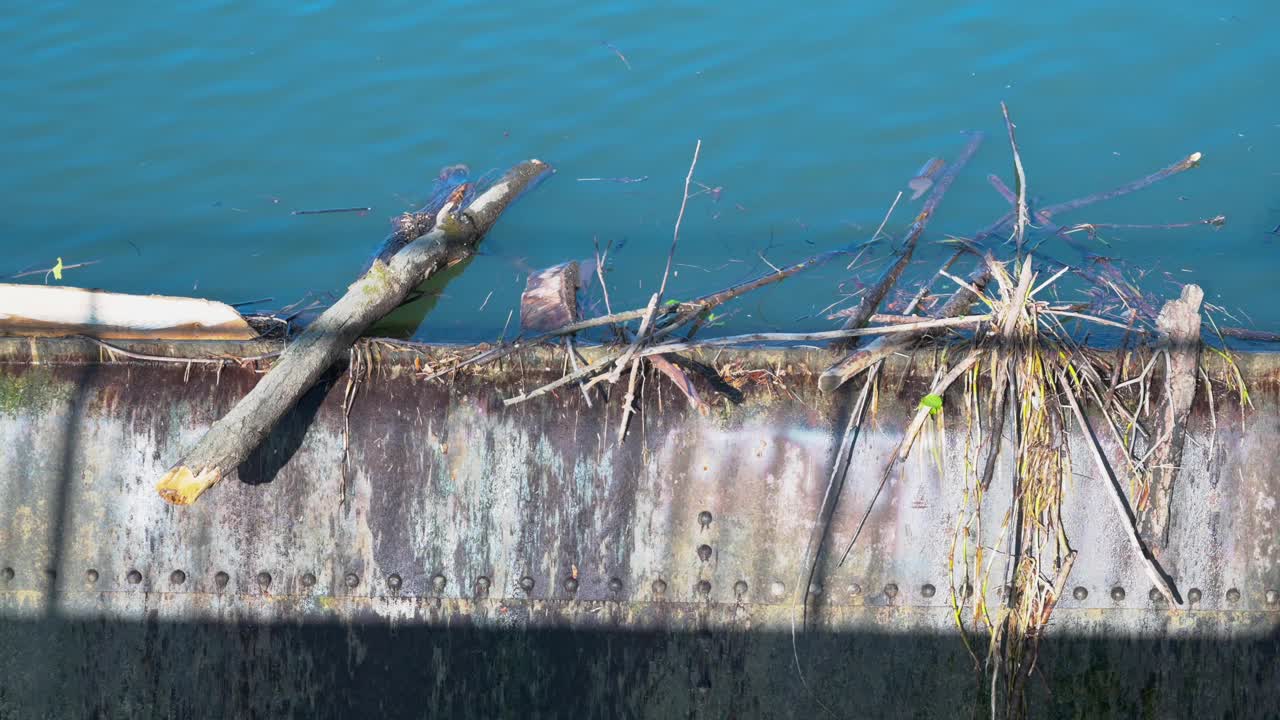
675	235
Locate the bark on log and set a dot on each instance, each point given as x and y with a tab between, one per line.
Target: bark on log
384	286
1179	326
550	298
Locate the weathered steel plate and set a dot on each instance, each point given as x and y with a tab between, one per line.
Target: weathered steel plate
499	537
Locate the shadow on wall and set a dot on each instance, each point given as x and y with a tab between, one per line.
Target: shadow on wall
103	668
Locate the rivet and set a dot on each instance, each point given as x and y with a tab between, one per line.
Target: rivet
1080	593
1194	595
352	580
526	583
134	577
615	585
220	580
264	579
740	588
438	583
1155	595
967	590
891	591
177	577
91	576
1117	593
659	587
928	590
777	589
1233	595
308	580
704	587
855	589
1273	597
394	581
815	588
704	552
571	585
482	586
704	519
7	573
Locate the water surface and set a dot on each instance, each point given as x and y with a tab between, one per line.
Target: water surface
172	143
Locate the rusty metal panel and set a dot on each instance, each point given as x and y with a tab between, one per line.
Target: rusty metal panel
666	567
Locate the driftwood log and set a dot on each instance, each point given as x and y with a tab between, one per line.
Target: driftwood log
452	239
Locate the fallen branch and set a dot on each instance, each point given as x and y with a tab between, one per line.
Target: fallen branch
453	239
862	358
875	295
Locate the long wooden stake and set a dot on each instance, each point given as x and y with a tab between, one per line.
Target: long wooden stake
1117	497
382	288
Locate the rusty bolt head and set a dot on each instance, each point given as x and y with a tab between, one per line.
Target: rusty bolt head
1194	595
704	519
134	577
855	589
615	585
352	580
1080	593
177	577
264	579
220	580
704	552
659	587
7	574
777	589
1273	597
1233	595
308	580
703	588
526	583
1155	595
1117	593
571	585
91	576
438	583
891	591
394	581
740	588
928	590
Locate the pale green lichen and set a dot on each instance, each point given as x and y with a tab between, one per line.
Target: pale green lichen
34	389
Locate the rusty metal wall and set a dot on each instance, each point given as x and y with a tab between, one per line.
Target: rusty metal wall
481	561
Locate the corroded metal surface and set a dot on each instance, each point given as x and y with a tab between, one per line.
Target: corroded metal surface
466	544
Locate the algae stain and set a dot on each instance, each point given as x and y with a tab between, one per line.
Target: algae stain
32	390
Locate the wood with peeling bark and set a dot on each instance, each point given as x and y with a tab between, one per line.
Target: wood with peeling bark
1179	327
550	299
453	238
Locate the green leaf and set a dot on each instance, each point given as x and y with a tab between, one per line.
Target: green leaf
933	402
669	303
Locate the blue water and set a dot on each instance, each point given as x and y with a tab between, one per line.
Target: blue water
171	143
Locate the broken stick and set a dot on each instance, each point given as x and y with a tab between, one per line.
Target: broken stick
452	239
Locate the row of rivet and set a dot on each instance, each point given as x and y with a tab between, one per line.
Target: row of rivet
659	587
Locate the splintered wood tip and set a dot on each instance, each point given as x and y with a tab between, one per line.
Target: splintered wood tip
181	486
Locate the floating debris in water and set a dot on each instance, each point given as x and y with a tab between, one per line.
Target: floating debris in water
923	180
331	211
